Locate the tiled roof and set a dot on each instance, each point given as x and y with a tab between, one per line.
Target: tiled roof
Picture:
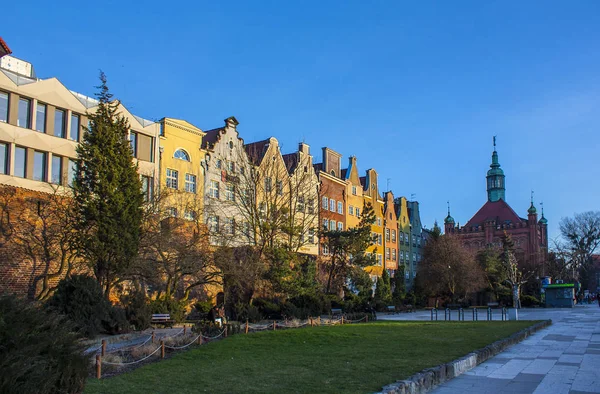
363	181
5	47
318	167
499	211
344	172
256	150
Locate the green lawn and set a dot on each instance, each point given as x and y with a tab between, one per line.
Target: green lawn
355	358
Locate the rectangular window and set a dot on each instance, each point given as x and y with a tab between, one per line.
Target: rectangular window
340	226
20	161
59	123
230	226
279	185
326	224
387	235
231	166
325	249
219	163
3	107
213	224
230	192
133	142
393	254
351	210
4	159
40	118
24	118
311	206
172	212
262	208
332	225
393	235
268	184
354	190
340	208
172	178
214	189
189	215
300	204
75	127
332	205
147	187
388	255
379	259
379	221
379	239
190	183
414	257
402	256
357	211
71	171
325	203
39	166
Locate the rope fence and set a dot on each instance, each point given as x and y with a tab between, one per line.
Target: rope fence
198	339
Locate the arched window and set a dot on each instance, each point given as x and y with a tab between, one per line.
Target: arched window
182	155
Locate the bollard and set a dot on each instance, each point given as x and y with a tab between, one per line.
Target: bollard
103	347
98	366
246	326
461	314
162	348
504	314
274	324
342	319
489	313
152	336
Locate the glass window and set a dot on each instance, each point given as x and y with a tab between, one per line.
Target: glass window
393	254
268	184
213	224
4	159
24	119
20	161
357	211
71	171
340	226
133	140
214	189
340	208
56	169
393	235
379	239
325	203
332	205
311	206
387	253
351	210
39	166
3	107
300	204
172	211
326	224
182	155
219	163
59	123
231	166
172	178
147	187
230	192
387	235
230	226
279	185
332	225
190	183
75	127
354	190
40	118
189	215
379	221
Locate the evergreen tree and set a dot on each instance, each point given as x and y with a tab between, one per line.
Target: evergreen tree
399	288
107	193
383	290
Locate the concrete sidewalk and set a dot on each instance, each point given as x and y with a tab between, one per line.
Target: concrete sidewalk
563	358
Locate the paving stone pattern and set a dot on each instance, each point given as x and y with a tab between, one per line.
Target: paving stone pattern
563	358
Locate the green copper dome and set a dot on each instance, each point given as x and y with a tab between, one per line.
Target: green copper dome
495	179
532	209
449	219
543	220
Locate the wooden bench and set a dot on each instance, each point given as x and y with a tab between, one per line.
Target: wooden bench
391	309
336	311
161	318
493	304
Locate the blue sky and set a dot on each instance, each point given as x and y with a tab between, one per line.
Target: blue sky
415	90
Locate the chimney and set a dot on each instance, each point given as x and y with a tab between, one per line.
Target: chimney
304	148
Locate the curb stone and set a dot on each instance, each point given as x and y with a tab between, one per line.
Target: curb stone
426	380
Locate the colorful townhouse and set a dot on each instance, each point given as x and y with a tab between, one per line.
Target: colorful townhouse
371	196
404	235
180	161
390	239
354	193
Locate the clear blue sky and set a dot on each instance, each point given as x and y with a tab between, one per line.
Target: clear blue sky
414	90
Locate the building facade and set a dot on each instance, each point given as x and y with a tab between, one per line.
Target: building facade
372	197
390	238
495	218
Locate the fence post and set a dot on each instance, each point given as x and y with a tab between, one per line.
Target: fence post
200	338
319	323
162	348
103	347
152	336
342	319
274	324
225	330
489	313
246	326
98	366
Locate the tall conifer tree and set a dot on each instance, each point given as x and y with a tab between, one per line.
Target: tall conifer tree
107	193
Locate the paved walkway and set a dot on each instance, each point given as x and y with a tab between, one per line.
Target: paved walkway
563	358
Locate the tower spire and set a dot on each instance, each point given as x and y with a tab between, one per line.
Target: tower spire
449	219
495	178
532	209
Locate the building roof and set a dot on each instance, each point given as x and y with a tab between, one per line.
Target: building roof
291	161
257	150
343	173
318	167
211	137
498	211
363	181
4	49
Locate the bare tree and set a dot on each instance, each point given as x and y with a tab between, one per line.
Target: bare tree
581	235
515	276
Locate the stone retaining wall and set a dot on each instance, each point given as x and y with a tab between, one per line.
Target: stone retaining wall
426	380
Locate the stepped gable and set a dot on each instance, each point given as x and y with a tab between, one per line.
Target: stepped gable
499	211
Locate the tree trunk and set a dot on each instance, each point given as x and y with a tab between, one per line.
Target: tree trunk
515	295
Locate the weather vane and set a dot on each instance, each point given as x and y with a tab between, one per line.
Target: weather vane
494	142
532	196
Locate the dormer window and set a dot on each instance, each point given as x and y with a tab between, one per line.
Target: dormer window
181	155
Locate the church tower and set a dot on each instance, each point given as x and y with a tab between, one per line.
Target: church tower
495	179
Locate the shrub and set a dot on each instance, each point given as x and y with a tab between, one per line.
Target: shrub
80	298
270	309
40	351
527	300
169	305
309	305
137	310
247	312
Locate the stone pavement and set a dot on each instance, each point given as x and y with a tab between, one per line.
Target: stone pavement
563	358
